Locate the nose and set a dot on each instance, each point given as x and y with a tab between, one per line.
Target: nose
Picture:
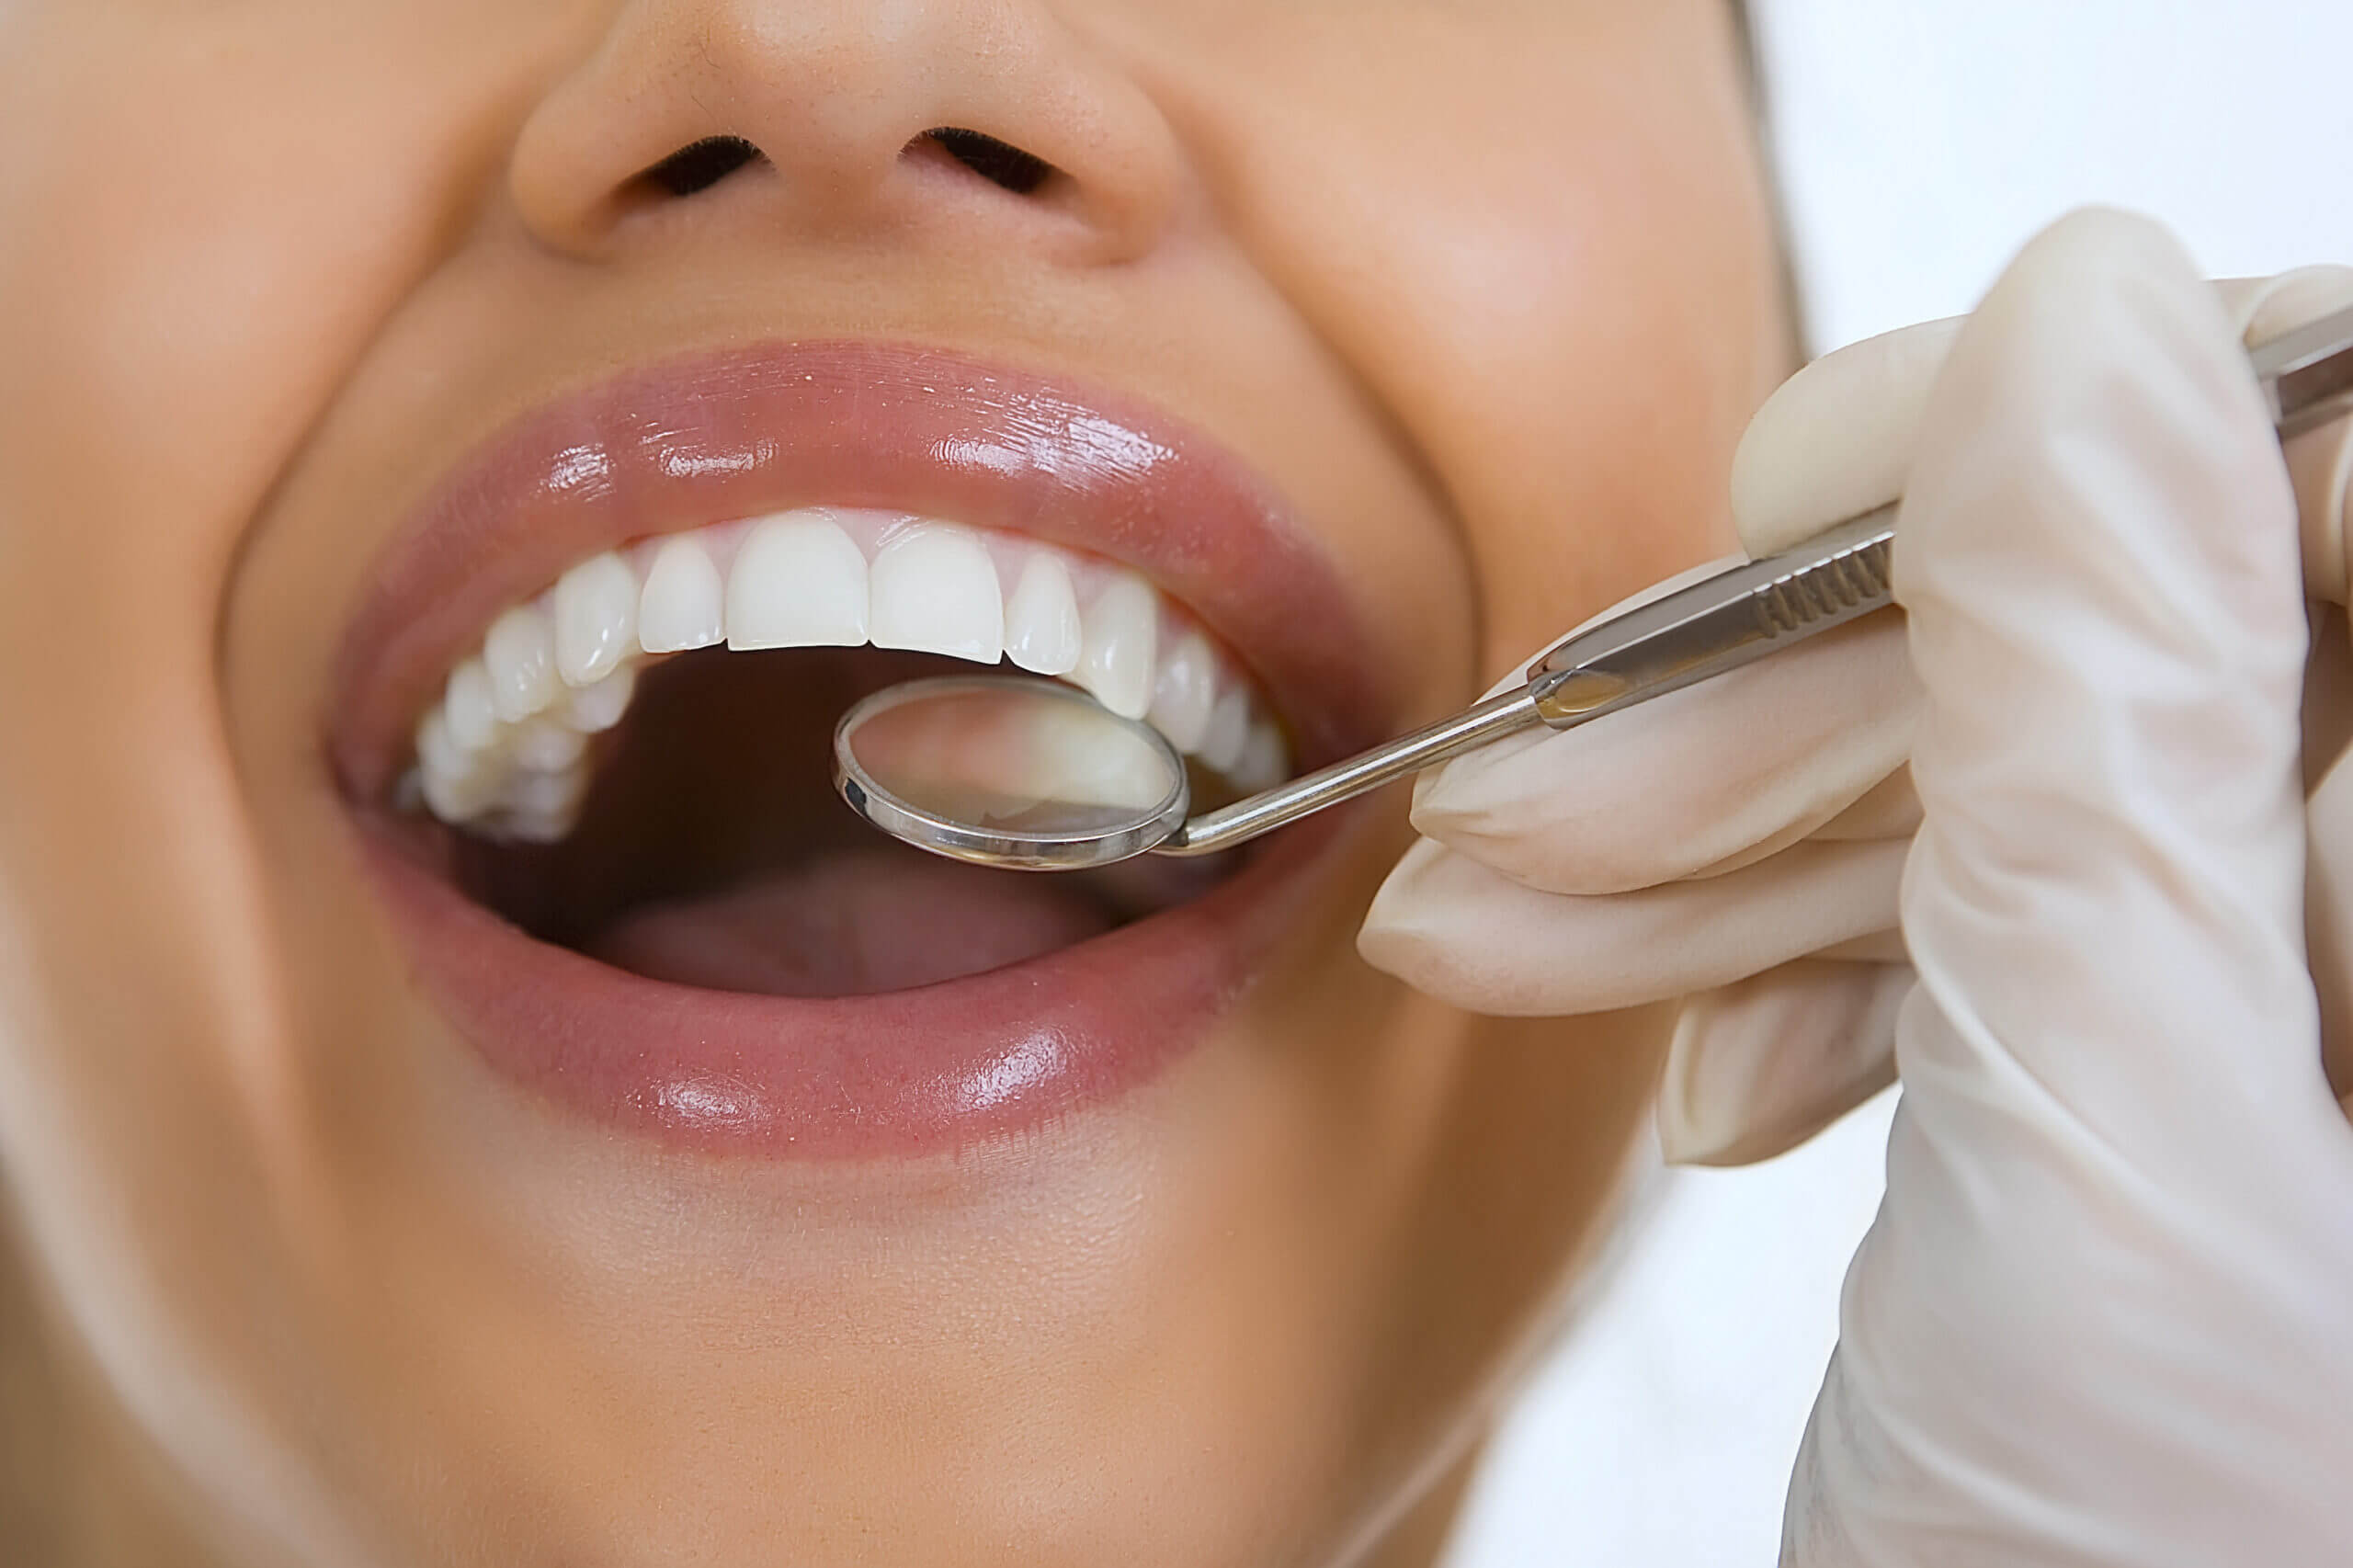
852	117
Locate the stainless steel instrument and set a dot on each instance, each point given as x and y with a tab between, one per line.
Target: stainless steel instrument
1721	623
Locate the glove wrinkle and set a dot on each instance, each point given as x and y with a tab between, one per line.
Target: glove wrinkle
2099	1320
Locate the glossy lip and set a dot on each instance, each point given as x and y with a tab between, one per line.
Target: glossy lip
744	432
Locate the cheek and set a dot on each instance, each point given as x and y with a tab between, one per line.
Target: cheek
1556	270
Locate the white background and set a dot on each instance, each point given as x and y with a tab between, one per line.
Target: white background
1920	143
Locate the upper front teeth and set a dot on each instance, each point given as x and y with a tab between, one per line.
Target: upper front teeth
502	747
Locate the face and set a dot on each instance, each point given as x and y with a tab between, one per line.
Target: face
469	1093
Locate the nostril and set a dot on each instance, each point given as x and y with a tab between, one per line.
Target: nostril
699	165
999	163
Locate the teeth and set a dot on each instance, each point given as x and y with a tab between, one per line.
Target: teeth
467	704
934	590
545	745
1229	732
799	582
507	747
1185	693
1041	627
596	619
1115	660
454	786
519	653
680	608
1265	761
592	709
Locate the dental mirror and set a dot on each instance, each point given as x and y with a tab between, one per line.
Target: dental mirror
1007	771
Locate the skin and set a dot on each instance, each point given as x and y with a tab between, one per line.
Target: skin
1486	289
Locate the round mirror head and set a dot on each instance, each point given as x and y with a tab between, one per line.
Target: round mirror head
1001	770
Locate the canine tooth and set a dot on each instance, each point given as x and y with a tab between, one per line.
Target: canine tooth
466	703
933	589
544	745
680	606
1185	693
593	708
1264	760
1116	657
1229	732
596	619
519	653
1041	626
799	582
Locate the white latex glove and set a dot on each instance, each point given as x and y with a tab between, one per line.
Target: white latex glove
2102	1318
1739	844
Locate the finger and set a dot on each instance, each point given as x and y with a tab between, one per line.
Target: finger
1459	931
1711	777
1836	439
1759	1066
2319	462
2104	902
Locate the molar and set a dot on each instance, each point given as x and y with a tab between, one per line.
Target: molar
798	582
934	589
1115	659
681	605
595	609
1041	625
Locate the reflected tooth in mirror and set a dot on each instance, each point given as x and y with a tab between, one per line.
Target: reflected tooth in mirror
1041	627
933	589
543	745
519	653
466	704
1265	761
1185	692
799	582
1229	732
593	709
595	609
1116	655
680	606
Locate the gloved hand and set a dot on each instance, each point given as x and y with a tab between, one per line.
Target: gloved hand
1738	844
2102	1317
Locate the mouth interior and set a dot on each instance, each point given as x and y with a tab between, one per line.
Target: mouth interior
712	851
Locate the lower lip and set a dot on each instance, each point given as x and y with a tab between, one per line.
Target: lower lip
898	1075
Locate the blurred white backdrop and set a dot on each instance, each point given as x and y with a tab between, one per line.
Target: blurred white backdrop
1920	144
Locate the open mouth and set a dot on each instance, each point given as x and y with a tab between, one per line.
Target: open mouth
588	724
680	822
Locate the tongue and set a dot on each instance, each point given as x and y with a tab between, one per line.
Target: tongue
853	923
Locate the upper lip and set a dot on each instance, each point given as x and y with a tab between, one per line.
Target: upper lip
717	436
